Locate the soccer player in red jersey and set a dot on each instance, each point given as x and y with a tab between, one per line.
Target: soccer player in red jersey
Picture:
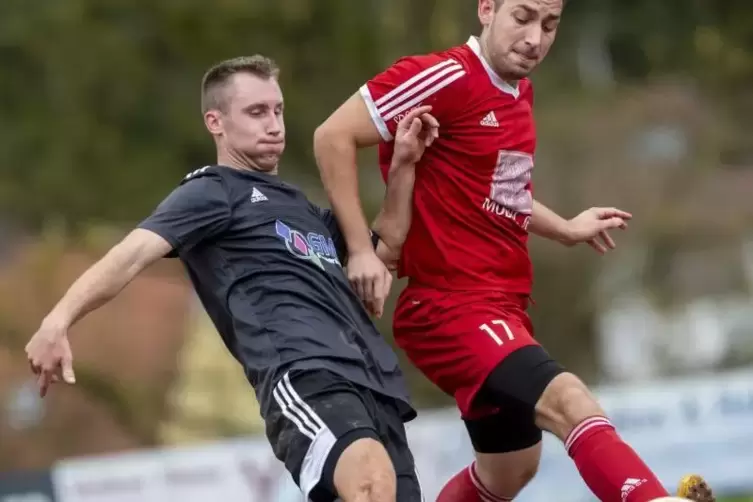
462	319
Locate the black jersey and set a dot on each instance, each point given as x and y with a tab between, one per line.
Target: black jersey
266	264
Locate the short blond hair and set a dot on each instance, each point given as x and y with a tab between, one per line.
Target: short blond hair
213	95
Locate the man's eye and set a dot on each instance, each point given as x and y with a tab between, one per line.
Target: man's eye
549	27
522	17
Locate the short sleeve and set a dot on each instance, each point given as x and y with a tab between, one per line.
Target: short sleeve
195	211
408	83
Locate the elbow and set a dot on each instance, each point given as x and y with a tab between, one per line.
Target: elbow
324	140
321	135
331	141
123	263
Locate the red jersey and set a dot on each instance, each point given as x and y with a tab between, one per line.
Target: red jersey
473	199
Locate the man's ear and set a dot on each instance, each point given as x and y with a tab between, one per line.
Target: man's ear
486	10
213	122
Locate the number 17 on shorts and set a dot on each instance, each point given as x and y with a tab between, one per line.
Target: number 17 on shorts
508	334
457	346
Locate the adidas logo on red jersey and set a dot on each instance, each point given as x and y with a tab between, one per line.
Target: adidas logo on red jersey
490	120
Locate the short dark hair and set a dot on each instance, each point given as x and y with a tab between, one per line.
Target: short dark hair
216	78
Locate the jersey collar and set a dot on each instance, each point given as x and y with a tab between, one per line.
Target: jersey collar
498	82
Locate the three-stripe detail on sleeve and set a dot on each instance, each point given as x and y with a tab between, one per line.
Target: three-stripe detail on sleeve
418	88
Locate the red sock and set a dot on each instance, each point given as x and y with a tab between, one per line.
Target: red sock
466	486
610	468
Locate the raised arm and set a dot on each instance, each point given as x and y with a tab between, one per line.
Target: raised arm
394	219
413	134
48	350
336	143
371	115
365	119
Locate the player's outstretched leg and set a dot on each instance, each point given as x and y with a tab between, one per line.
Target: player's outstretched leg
492	477
364	473
559	402
507	444
609	466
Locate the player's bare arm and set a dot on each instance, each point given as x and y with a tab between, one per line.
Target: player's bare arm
592	226
336	142
393	222
48	351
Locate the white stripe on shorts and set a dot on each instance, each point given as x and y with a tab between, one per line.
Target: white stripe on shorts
310	425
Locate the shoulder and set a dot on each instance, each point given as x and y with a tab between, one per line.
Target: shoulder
433	61
435	69
200	187
203	175
210	181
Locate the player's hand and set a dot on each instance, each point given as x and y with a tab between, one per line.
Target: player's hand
592	226
50	357
416	131
370	279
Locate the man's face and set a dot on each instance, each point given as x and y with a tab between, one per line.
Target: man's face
251	124
519	33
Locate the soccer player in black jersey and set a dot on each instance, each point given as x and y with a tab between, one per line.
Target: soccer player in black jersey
267	265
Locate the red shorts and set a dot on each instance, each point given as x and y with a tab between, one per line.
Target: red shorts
457	338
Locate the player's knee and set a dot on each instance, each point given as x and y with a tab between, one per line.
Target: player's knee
506	474
364	473
565	403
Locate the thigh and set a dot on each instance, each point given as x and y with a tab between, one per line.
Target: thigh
456	339
392	432
314	417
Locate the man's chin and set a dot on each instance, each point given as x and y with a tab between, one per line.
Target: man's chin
267	162
522	67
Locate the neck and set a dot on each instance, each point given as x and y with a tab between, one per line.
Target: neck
237	160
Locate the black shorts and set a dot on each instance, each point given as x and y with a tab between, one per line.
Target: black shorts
513	387
315	415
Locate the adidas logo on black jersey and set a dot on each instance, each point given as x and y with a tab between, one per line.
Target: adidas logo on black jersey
257	196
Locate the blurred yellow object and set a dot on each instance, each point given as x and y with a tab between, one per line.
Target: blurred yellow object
693	487
211	397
